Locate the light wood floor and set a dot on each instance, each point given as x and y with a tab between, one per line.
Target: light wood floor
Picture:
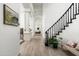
35	47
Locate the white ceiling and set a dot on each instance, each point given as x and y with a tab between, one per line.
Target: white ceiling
26	5
37	5
37	8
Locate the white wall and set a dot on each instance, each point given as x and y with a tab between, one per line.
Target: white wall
72	32
9	35
52	12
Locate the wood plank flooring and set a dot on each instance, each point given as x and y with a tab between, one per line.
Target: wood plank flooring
35	47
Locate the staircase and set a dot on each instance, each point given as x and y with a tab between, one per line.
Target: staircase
62	22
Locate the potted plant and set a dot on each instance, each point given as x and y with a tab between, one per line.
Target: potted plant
50	42
53	42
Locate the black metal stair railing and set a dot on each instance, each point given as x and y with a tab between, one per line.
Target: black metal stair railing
63	21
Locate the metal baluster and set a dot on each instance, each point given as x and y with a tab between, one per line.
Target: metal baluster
74	17
56	28
52	30
59	25
75	8
46	41
78	8
63	21
72	12
70	15
66	18
48	33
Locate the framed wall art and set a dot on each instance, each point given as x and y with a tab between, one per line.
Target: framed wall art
10	16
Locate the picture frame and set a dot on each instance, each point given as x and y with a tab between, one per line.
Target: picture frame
10	16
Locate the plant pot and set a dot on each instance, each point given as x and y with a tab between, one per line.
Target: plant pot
55	45
51	45
46	44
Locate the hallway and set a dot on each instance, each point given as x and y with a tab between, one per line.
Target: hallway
35	47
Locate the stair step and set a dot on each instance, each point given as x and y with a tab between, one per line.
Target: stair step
63	28
67	25
60	31
77	16
70	22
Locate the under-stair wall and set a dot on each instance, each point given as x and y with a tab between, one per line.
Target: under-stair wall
71	33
